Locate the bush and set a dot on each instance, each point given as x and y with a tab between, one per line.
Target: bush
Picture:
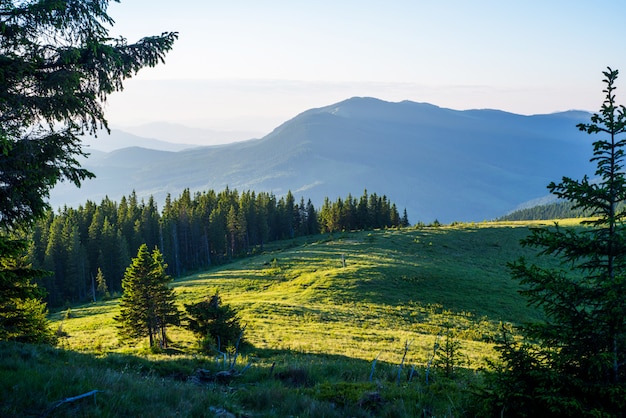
215	324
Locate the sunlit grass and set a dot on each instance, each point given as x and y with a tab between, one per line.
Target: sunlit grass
356	294
322	308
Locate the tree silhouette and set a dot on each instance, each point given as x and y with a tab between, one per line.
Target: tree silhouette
58	64
573	363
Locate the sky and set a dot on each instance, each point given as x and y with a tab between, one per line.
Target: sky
249	65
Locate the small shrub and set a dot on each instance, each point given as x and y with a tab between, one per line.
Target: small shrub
215	324
449	357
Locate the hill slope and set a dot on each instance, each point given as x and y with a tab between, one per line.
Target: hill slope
119	139
395	284
437	163
315	326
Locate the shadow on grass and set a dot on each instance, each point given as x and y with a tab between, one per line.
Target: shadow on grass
33	379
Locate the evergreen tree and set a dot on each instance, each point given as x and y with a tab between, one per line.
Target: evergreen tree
287	212
405	219
102	289
248	212
58	64
232	224
362	214
448	357
327	219
147	226
263	219
574	363
54	261
147	304
77	282
166	311
311	219
22	311
215	324
394	216
347	214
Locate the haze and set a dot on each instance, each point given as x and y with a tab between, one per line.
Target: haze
249	66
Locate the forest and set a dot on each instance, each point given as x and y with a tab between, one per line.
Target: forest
193	232
557	210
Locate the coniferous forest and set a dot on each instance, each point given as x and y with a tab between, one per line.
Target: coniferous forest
193	231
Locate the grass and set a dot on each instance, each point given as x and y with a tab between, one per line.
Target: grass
318	312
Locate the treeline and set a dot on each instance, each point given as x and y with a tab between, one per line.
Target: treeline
192	232
556	210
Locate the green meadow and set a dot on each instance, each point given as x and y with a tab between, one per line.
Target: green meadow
339	325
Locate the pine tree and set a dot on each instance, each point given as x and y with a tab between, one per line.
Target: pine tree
102	289
166	311
22	312
311	216
215	324
574	363
147	304
405	219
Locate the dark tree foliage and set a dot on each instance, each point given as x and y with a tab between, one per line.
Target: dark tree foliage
551	211
22	315
57	67
215	324
369	212
193	232
448	356
102	289
147	305
573	364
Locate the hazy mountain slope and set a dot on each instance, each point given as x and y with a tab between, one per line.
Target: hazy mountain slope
120	139
438	163
175	133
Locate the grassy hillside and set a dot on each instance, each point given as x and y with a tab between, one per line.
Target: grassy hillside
308	314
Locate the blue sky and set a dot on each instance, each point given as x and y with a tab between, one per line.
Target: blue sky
251	65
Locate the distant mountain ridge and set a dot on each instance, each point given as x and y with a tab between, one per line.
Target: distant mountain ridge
176	133
163	137
437	163
119	139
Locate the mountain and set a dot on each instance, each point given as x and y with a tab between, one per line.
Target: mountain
437	163
119	139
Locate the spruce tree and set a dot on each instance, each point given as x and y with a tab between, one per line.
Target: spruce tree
102	289
22	312
147	304
573	363
215	324
166	311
